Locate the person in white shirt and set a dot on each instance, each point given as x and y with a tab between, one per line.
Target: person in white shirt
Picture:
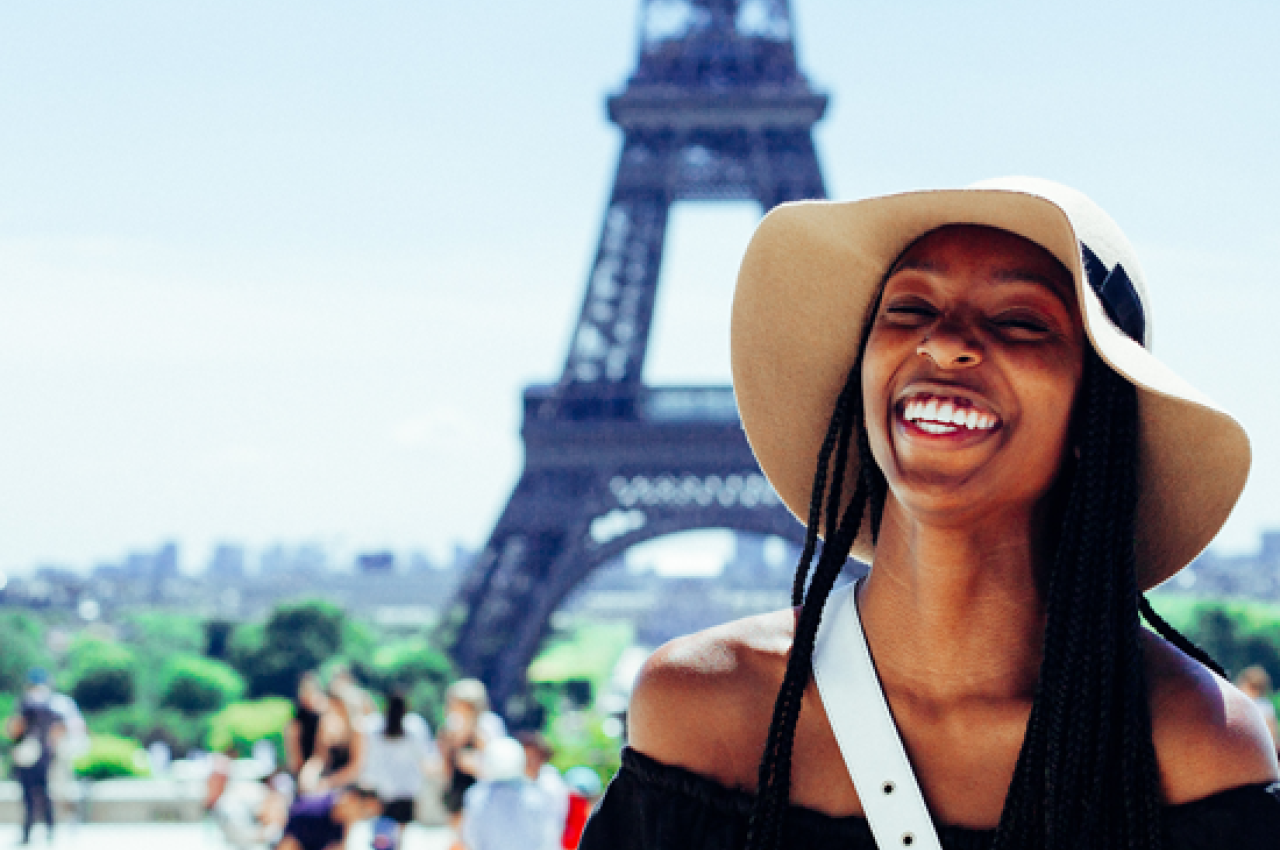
506	809
538	768
398	754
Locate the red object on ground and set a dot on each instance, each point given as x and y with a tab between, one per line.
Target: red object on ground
579	809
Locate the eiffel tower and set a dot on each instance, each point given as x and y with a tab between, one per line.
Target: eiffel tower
716	109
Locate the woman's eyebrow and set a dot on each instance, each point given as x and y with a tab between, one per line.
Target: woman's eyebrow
1058	286
918	265
1054	284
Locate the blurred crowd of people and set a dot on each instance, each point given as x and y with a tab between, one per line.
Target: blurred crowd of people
348	760
349	757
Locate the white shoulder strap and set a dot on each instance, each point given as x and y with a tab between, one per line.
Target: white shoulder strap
865	731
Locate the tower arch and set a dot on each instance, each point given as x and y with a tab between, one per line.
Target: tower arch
715	109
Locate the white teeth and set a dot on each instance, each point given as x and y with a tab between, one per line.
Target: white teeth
936	416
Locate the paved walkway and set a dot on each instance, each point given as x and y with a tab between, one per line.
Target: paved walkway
187	836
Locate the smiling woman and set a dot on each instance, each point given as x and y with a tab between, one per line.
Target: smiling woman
1001	446
974	322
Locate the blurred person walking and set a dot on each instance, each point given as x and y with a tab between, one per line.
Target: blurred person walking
72	743
398	754
506	810
35	729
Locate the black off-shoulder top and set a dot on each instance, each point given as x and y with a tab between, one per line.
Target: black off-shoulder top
653	806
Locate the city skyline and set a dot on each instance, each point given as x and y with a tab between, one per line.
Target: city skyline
281	273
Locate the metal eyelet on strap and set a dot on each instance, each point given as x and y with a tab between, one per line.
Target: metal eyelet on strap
870	743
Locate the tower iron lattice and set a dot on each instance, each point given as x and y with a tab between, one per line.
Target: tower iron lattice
716	109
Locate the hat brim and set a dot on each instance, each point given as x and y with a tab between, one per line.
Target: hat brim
813	269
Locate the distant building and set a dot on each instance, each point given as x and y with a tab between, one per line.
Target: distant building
420	563
227	562
164	563
309	559
376	563
1250	575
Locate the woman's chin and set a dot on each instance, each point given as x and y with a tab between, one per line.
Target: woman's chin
948	501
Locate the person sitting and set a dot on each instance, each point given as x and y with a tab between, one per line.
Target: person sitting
322	821
338	758
398	753
468	727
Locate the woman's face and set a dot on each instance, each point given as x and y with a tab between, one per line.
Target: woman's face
970	374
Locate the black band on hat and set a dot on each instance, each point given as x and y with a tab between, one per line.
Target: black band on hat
1119	298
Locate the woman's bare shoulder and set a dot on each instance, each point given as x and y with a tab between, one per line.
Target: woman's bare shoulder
1208	735
703	701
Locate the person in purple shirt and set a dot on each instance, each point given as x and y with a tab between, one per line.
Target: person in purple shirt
321	821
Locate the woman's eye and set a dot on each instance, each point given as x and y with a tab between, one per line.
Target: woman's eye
1024	325
910	312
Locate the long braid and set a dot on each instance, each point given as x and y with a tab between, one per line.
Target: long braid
1177	638
774	781
834	429
1086	775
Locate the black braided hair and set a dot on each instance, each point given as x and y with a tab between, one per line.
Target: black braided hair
774	783
1086	775
1177	638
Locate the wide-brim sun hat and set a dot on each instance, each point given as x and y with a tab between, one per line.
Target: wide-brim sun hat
814	268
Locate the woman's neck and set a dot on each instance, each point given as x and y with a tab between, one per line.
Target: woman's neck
955	612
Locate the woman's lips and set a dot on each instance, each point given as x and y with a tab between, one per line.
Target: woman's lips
939	415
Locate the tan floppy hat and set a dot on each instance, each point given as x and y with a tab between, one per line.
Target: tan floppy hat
813	269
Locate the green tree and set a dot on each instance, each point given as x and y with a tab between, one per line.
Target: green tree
112	757
297	637
102	673
414	668
1236	640
194	684
21	648
141	722
217	639
242	724
155	636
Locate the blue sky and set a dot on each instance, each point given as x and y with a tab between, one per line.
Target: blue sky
279	271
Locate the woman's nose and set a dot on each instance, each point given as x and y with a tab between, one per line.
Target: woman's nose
950	347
